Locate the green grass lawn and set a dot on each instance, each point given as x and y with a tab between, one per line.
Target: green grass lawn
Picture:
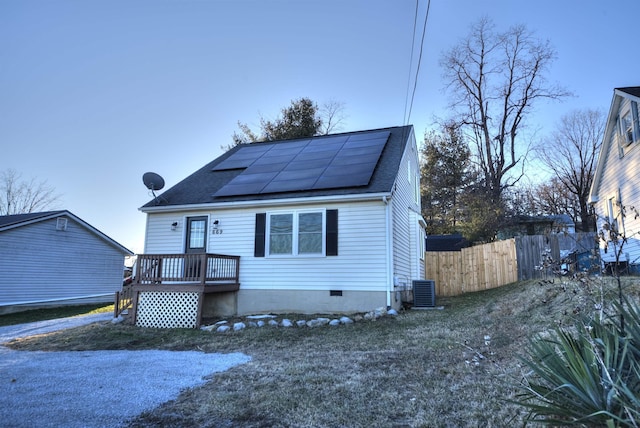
454	367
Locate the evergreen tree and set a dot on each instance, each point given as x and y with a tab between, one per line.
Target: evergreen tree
301	119
444	175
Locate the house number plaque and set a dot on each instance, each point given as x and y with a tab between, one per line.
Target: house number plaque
216	231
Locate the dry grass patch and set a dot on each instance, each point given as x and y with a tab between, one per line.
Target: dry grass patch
421	368
43	314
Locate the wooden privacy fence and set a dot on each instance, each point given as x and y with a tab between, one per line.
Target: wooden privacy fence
575	249
472	269
499	263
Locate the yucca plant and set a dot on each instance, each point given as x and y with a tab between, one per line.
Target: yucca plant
587	376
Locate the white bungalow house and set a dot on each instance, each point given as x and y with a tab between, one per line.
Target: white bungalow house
615	192
328	224
55	258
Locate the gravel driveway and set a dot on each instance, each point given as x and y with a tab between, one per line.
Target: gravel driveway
93	388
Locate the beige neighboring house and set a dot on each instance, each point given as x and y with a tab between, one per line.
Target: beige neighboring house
616	184
55	258
328	224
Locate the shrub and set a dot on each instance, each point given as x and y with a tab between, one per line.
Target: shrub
588	376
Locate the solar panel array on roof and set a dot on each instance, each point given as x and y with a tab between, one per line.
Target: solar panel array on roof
320	163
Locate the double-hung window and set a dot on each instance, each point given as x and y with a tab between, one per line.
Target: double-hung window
628	126
297	233
614	213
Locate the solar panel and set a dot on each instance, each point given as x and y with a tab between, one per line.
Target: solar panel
312	164
370	136
232	189
268	167
333	139
299	174
346	159
244	157
288	185
308	164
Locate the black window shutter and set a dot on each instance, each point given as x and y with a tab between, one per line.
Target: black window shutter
332	233
261	222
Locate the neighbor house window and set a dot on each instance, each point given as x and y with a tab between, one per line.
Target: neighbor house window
617	140
296	233
613	213
628	124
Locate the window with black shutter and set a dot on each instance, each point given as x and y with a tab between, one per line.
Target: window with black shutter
296	233
261	221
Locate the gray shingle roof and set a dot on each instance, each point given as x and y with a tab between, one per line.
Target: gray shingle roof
631	90
199	187
7	220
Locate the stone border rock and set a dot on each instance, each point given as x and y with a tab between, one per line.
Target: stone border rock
258	321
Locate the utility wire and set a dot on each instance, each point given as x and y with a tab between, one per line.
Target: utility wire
415	81
413	41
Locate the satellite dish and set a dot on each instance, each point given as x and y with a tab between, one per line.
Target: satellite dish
153	182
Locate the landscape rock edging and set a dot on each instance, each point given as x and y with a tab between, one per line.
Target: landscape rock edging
258	321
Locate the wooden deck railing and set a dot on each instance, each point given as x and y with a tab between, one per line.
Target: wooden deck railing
175	269
124	300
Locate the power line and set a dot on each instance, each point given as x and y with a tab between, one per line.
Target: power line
415	81
413	40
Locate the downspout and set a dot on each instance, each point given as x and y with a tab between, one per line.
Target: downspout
389	247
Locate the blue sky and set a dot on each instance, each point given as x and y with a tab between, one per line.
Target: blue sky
95	93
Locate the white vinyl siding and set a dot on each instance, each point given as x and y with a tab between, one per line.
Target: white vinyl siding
407	264
360	265
40	263
621	179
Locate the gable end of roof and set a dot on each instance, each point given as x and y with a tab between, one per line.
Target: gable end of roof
9	222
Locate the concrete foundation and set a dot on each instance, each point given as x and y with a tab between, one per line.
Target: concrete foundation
309	302
220	305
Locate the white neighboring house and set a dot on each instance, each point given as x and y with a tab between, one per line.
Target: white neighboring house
329	224
54	258
616	183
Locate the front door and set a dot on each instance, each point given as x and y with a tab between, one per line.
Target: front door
196	243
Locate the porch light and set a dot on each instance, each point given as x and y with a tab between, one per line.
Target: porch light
174	225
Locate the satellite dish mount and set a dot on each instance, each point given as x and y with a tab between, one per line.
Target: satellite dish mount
153	182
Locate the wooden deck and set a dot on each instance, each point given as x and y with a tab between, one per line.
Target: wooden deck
179	273
203	270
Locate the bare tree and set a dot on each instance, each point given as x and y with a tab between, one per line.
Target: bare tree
332	114
554	198
495	80
572	153
19	196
